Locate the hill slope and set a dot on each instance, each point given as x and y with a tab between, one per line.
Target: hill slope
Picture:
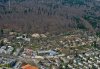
50	15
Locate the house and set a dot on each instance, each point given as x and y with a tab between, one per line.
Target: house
19	37
27	39
89	62
28	51
47	53
70	66
43	35
35	35
54	67
3	49
9	50
12	33
5	40
18	65
28	66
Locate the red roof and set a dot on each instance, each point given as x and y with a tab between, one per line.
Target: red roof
29	67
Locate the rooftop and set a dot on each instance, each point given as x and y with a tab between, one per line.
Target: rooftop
29	67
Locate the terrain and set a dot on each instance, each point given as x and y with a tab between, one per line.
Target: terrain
41	16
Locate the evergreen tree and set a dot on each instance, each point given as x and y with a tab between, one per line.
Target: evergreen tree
1	32
2	43
94	44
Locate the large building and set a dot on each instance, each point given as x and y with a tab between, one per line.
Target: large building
29	67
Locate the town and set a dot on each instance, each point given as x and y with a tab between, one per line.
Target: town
69	50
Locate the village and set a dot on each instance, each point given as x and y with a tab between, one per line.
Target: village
78	50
